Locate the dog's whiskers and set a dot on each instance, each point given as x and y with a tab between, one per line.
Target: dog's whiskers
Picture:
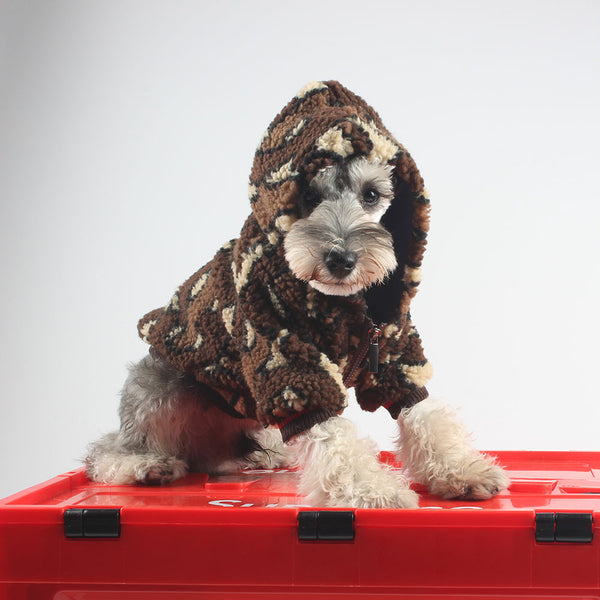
342	223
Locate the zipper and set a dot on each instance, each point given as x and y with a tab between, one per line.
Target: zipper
374	335
369	344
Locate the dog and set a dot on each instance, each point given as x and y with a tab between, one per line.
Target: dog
312	299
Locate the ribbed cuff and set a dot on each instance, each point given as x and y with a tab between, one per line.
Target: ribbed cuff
303	421
407	402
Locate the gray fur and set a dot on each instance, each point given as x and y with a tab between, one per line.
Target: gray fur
169	427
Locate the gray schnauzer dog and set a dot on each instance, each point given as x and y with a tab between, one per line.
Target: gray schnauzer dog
172	423
251	360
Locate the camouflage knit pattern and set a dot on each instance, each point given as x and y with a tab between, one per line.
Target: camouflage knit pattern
270	345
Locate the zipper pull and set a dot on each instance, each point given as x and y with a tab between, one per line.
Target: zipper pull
374	334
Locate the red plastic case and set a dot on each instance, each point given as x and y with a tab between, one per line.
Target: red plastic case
249	536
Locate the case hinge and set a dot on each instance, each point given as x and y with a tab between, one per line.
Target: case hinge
92	523
327	525
573	528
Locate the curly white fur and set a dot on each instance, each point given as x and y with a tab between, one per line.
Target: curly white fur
436	451
272	453
341	469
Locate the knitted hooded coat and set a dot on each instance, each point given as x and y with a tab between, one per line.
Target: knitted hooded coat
266	345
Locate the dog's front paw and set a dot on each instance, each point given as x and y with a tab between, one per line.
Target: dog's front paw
342	470
269	451
384	490
396	494
435	450
475	478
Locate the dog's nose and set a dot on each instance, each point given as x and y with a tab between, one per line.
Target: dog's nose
340	263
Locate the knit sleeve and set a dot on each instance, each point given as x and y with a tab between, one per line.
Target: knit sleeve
295	386
402	373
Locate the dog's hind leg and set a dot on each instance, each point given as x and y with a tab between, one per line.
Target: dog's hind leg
436	451
146	449
170	425
111	460
341	469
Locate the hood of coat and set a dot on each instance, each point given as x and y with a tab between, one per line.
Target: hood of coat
325	124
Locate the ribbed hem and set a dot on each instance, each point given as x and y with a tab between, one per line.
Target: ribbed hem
410	400
303	421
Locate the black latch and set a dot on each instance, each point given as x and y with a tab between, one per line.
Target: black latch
92	523
573	528
544	527
330	525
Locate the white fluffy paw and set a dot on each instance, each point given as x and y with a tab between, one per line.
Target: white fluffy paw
436	450
273	453
387	490
270	453
341	470
344	489
383	491
476	478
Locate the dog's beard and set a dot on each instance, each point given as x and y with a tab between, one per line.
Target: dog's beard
335	225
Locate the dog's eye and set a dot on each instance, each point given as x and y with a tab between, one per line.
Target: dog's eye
370	197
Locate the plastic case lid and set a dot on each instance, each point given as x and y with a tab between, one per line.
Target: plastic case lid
253	531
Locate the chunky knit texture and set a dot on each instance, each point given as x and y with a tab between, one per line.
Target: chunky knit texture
272	347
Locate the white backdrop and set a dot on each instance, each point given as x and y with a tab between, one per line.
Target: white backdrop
127	131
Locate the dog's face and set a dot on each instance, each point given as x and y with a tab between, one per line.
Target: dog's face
338	244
